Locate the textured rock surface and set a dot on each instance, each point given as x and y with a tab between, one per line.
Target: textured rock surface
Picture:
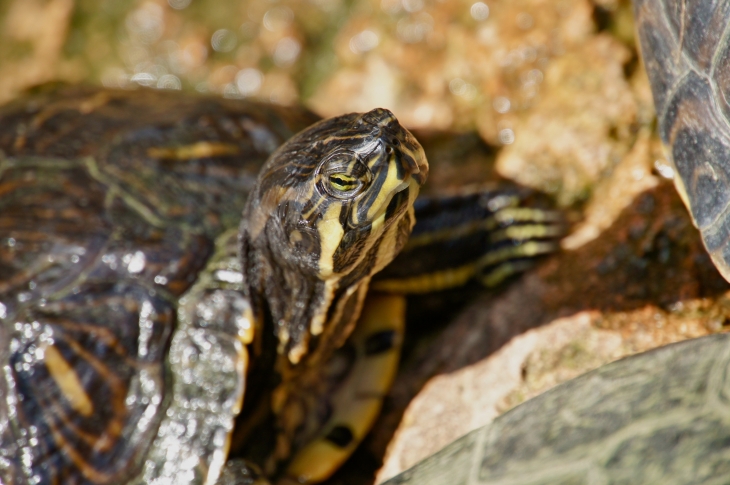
584	123
644	283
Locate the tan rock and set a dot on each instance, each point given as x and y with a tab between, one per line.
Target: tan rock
457	64
583	124
645	282
32	36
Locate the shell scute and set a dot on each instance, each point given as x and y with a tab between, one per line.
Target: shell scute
111	203
685	48
89	382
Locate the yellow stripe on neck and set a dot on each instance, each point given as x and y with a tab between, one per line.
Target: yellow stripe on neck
386	192
330	235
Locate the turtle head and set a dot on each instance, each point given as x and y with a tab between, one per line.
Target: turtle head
331	207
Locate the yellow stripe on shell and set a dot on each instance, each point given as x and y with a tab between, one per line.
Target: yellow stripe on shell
68	381
357	402
524	250
201	149
426	283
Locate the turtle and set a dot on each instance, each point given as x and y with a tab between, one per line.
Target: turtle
659	416
687	57
189	289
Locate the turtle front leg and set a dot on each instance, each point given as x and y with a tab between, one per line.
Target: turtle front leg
482	235
208	364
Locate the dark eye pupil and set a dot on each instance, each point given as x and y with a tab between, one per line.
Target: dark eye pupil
343	182
343	176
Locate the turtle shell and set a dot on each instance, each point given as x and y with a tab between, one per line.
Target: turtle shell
656	417
117	199
687	56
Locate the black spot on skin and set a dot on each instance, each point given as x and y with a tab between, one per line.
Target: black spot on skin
340	365
380	342
340	435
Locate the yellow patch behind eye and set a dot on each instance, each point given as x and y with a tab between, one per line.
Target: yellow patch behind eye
68	381
330	235
386	192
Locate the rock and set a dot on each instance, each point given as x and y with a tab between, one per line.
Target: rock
451	65
644	283
32	36
583	124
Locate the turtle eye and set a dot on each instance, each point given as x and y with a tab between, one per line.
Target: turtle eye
343	176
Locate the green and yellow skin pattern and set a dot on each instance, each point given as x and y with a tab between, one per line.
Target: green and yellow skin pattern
184	282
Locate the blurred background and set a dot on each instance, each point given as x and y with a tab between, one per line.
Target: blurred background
518	71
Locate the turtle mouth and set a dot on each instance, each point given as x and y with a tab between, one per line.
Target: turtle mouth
404	185
395	203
